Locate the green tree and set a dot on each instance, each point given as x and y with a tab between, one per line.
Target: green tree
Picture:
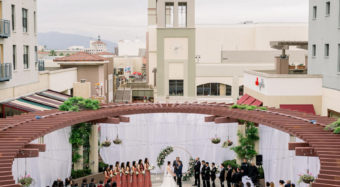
81	132
61	54
53	53
246	147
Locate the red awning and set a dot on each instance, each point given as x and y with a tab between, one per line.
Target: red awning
249	100
307	108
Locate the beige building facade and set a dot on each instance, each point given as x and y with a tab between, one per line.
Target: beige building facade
206	63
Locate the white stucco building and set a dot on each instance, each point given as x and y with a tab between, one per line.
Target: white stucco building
324	51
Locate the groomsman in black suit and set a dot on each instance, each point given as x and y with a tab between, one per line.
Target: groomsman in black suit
207	175
197	169
203	173
213	173
222	175
229	175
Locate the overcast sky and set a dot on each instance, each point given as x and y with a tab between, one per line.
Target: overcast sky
126	19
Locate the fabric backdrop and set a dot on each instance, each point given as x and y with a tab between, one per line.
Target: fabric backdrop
147	134
278	162
55	163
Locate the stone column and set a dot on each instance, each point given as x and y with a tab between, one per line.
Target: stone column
240	128
235	88
79	165
94	157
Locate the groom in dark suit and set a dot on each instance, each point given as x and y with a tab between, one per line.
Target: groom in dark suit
179	173
175	166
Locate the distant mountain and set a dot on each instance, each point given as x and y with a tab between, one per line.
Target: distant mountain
57	40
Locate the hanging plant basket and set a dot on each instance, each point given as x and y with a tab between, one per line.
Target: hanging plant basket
106	143
117	141
306	178
216	140
227	144
26	181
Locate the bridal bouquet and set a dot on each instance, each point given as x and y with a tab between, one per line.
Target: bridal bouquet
137	172
151	167
143	172
126	172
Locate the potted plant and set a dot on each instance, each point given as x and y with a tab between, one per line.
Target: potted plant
291	66
216	140
117	141
301	66
26	181
106	143
306	178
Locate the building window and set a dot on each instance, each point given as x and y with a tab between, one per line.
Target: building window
36	56
14	57
214	89
241	91
328	8
315	12
24	20
314	50
13	17
169	14
35	22
228	90
326	50
176	88
26	56
182	14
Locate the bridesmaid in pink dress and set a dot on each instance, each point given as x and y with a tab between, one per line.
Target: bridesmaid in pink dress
117	170
112	174
123	177
128	176
147	180
140	177
107	174
134	175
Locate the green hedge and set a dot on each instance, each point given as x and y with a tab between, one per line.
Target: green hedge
232	163
80	173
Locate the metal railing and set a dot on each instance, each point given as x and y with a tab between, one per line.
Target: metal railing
5	72
5	28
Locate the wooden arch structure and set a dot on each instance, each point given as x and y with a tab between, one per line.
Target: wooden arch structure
17	132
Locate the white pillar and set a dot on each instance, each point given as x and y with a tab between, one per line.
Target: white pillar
94	158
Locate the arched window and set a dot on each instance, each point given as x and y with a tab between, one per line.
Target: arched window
214	89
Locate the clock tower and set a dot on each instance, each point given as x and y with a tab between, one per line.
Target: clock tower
171	47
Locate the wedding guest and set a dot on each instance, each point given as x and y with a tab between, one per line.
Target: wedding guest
207	175
229	175
197	169
281	183
203	173
147	178
128	176
101	184
92	184
222	175
289	184
108	183
117	171
213	174
248	184
272	184
84	183
67	182
134	175
123	176
140	177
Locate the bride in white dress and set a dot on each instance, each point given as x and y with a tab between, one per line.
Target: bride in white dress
168	179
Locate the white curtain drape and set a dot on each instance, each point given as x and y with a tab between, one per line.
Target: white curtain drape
147	134
55	163
278	162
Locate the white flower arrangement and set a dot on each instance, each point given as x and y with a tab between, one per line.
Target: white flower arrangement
151	167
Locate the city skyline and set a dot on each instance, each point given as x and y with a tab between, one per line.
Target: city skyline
114	20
